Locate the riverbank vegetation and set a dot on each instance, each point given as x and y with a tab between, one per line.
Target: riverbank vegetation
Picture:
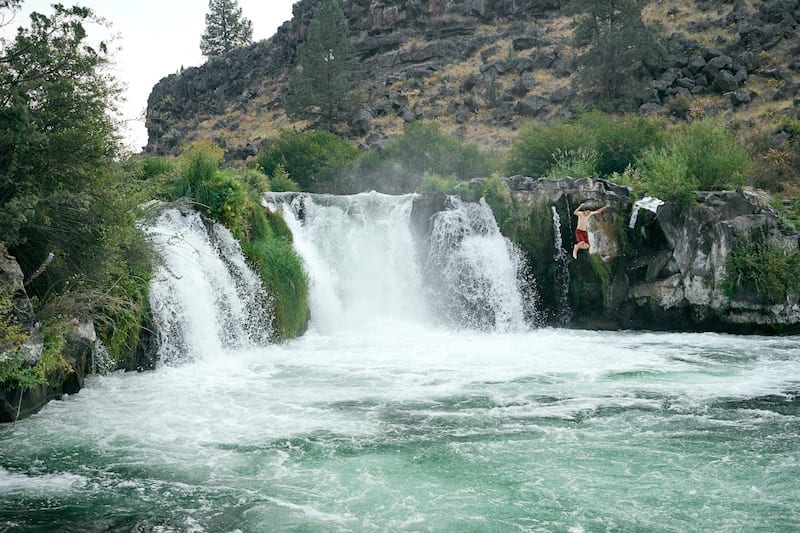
667	160
70	202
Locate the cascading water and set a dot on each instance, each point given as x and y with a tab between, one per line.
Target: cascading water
364	264
478	273
205	297
561	259
360	257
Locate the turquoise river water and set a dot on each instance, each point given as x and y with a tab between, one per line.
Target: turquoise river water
409	405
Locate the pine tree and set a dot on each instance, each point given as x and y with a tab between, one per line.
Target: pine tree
620	45
322	87
225	28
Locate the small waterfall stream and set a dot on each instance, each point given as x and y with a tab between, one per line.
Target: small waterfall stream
561	259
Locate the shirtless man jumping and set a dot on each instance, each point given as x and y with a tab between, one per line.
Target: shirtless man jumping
581	233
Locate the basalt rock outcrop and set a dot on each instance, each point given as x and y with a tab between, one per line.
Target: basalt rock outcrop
665	272
476	65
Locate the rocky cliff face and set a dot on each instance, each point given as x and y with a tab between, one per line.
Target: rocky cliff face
666	272
480	69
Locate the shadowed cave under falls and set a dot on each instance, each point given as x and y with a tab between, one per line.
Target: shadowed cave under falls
423	397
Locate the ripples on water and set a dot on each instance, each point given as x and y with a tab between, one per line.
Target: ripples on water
428	430
377	421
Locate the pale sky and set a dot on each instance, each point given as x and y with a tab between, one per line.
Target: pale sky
156	38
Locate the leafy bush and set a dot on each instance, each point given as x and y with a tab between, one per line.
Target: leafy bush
575	163
770	272
198	167
424	147
714	158
619	140
256	183
630	177
616	142
20	369
311	158
153	167
433	183
234	200
218	194
281	182
532	151
704	155
665	176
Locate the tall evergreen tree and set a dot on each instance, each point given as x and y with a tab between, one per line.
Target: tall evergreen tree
226	28
322	87
619	46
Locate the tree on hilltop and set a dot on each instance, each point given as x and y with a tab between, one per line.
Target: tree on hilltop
619	46
226	28
322	88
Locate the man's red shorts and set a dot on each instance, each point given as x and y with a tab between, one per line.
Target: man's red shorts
581	236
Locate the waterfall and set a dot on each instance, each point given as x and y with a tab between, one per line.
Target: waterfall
477	271
359	254
364	263
561	259
205	297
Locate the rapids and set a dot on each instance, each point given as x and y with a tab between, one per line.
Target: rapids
389	416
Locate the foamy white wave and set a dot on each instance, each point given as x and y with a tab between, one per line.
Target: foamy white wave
43	484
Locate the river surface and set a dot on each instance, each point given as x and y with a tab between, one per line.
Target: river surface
422	398
397	427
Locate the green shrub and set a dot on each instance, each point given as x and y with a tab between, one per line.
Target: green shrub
577	163
20	370
769	272
255	182
433	183
714	158
281	182
703	155
424	147
312	158
234	200
198	166
630	177
531	153
153	167
665	176
619	140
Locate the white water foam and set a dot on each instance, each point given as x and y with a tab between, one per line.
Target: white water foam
205	297
364	264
